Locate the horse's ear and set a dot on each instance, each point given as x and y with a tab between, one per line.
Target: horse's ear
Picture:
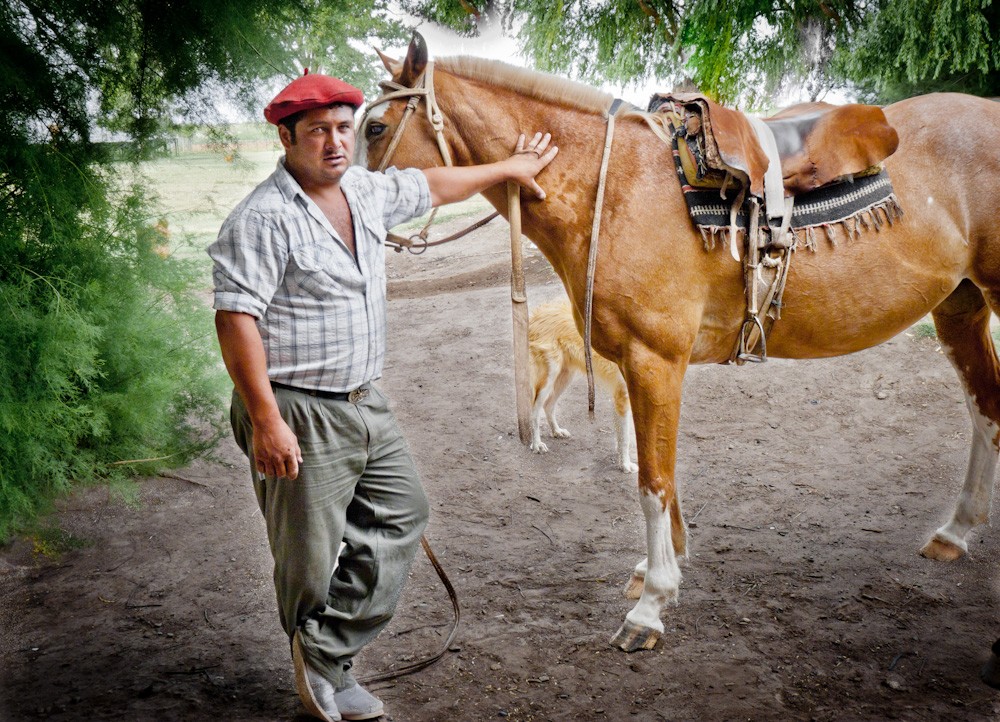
416	61
391	64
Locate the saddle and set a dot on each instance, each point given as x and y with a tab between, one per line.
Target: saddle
802	153
817	143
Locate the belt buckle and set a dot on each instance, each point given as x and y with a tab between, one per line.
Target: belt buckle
358	395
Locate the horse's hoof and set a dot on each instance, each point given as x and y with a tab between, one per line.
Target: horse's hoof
990	673
942	550
633	590
632	637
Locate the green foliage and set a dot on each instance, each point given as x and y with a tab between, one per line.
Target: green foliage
461	16
105	354
906	47
749	50
52	542
337	39
107	361
619	41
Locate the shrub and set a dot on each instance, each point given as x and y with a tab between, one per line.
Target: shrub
106	354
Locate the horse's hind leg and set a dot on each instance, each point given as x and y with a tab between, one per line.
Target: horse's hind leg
962	322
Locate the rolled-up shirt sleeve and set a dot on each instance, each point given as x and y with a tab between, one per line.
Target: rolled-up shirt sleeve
249	259
406	195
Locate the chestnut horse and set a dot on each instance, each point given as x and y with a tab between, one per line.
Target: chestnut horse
662	302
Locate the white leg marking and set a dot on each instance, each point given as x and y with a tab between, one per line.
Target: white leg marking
537	445
557	431
559	381
976	497
662	575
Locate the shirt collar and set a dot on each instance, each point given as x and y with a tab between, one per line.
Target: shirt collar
287	185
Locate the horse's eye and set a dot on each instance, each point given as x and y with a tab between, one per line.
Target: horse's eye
374	130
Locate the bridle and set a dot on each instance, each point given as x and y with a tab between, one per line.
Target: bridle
423	89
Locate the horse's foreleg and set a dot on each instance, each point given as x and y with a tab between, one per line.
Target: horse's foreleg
655	392
678	532
962	322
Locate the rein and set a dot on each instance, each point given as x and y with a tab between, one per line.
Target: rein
423	88
595	233
420	242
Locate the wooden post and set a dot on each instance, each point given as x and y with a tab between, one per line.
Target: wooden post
519	311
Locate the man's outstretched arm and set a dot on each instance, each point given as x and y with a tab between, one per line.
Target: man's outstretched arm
456	183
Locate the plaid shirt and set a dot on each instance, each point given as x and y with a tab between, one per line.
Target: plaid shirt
320	312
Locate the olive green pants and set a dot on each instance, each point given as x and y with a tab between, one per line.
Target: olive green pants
357	485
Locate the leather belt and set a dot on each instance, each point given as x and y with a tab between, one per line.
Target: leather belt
356	396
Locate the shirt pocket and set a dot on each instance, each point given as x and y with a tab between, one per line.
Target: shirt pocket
315	272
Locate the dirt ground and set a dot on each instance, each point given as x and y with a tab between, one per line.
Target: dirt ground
808	488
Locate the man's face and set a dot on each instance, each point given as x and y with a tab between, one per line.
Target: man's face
323	147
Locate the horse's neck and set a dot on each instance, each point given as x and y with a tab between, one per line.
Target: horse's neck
488	122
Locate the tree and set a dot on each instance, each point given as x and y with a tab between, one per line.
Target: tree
908	47
751	49
337	39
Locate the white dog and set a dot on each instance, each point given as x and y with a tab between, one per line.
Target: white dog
556	356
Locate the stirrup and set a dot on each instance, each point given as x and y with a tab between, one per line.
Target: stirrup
746	354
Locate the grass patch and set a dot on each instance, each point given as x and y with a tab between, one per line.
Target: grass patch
198	188
52	542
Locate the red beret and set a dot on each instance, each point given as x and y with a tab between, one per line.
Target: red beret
311	91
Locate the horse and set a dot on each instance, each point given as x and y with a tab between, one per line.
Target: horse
661	301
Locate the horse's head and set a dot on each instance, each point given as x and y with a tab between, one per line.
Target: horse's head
404	127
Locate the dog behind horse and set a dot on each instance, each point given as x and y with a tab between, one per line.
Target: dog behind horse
556	350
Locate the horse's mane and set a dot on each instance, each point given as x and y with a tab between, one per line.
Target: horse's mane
567	93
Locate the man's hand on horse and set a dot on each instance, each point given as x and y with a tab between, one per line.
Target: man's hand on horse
529	159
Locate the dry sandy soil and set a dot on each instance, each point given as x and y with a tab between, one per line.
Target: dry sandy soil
808	488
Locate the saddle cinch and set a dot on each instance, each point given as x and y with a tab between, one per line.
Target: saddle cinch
812	165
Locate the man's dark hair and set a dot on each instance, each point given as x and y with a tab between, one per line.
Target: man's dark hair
290	121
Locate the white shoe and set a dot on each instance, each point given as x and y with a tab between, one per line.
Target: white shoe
315	690
356	703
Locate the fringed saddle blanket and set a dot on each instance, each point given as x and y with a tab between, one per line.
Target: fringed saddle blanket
865	202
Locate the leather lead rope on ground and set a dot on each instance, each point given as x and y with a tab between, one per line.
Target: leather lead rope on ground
425	663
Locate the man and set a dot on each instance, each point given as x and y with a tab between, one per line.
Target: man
300	299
